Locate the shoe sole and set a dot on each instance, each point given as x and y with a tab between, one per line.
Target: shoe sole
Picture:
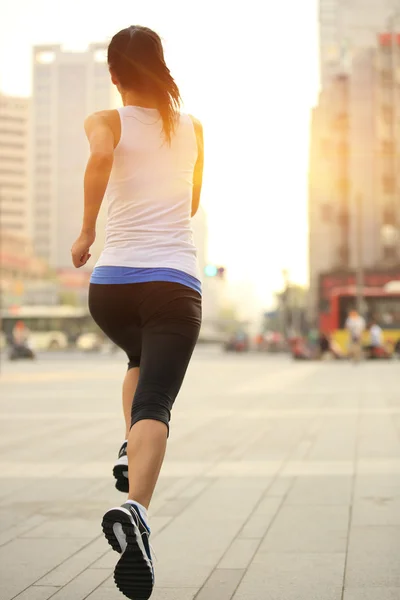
121	481
132	575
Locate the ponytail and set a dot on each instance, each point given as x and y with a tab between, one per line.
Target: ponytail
136	56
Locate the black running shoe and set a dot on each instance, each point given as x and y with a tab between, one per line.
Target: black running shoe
127	533
120	470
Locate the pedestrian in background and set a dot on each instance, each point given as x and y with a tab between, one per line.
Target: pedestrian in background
355	325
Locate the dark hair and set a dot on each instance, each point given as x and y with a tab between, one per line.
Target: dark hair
136	56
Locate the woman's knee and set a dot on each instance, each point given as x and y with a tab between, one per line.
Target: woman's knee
153	404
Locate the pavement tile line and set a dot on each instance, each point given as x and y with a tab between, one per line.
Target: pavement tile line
262	498
352	497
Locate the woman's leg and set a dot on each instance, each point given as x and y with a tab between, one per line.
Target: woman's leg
128	391
168	341
147	443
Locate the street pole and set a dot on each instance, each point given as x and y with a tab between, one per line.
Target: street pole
286	300
359	257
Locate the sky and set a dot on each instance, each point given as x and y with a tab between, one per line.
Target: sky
249	72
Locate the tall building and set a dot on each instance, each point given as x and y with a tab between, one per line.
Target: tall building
354	191
67	86
329	194
14	171
346	27
387	126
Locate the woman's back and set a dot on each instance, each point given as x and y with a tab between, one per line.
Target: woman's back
150	194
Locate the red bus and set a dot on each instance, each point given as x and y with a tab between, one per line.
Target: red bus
380	303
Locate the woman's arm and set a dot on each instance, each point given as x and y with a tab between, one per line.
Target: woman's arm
102	142
198	169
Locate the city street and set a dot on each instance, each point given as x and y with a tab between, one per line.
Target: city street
282	480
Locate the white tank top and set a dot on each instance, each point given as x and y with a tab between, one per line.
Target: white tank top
149	195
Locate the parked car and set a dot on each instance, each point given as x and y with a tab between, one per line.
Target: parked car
238	342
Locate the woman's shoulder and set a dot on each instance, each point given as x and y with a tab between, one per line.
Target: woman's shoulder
108	118
104	118
107	115
196	122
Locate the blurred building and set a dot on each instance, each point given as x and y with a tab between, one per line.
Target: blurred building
387	125
347	27
353	187
67	86
14	170
329	194
21	272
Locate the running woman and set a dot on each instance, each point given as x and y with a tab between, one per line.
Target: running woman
145	293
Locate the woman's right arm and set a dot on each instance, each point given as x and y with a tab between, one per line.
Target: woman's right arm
198	169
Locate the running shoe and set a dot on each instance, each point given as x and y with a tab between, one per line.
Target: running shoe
120	470
128	533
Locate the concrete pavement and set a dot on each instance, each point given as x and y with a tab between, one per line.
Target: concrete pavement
282	481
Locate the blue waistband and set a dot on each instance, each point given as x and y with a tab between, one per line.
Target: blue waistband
121	275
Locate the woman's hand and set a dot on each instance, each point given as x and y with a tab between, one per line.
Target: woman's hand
80	250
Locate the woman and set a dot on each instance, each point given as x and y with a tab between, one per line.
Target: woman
145	292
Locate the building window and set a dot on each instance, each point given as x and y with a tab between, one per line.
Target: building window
13	159
42	185
343	254
100	56
388	184
14	186
14	226
343	150
42	199
42	226
387	114
326	212
390	253
10	119
386	78
343	218
389	216
343	186
11	212
12	172
11	145
326	149
13	132
43	142
387	148
43	240
341	122
45	58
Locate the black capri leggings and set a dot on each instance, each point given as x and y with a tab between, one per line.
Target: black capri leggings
157	324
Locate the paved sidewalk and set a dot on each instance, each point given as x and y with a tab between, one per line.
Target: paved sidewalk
282	481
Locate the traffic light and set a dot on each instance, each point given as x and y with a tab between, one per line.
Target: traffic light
211	271
214	271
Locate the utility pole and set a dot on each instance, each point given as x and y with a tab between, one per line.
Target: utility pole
285	303
359	256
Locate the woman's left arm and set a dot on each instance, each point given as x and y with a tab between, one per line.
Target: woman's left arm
97	174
